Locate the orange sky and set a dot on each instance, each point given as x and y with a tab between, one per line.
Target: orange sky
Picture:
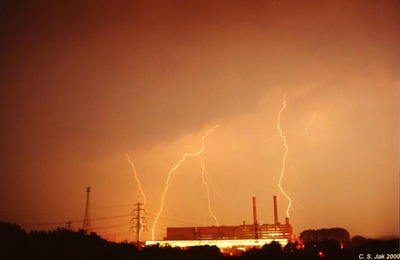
84	84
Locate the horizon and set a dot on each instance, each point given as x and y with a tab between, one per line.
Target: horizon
201	106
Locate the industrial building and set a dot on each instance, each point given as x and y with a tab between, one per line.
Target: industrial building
231	238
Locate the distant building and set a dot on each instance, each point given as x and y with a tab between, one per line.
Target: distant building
230	238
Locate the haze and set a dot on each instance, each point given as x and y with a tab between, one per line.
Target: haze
84	84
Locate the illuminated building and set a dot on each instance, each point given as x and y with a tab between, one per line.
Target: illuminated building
230	238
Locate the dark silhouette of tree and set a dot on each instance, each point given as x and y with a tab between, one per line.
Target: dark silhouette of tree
12	240
157	252
252	253
329	248
291	247
272	250
203	252
338	234
357	241
64	244
291	251
60	244
372	246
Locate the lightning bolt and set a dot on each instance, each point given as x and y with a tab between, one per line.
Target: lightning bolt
141	192
284	156
203	179
309	123
172	172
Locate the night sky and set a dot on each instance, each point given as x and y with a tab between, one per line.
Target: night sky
84	84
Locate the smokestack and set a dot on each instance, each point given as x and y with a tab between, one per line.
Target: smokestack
287	221
254	211
255	218
275	211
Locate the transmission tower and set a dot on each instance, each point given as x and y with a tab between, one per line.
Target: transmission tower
87	226
138	221
69	225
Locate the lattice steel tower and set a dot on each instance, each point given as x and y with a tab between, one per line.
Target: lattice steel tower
138	220
87	226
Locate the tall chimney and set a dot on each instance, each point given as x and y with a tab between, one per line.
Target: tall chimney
255	218
254	211
275	211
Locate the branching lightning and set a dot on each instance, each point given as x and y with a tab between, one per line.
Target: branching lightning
172	172
137	180
203	179
284	156
141	192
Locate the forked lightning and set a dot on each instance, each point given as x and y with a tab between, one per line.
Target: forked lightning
172	172
284	156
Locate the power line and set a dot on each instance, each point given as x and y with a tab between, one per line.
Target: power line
72	221
174	221
113	226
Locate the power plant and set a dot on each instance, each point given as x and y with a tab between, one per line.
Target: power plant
230	238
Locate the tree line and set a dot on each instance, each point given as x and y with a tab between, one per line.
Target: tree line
63	244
